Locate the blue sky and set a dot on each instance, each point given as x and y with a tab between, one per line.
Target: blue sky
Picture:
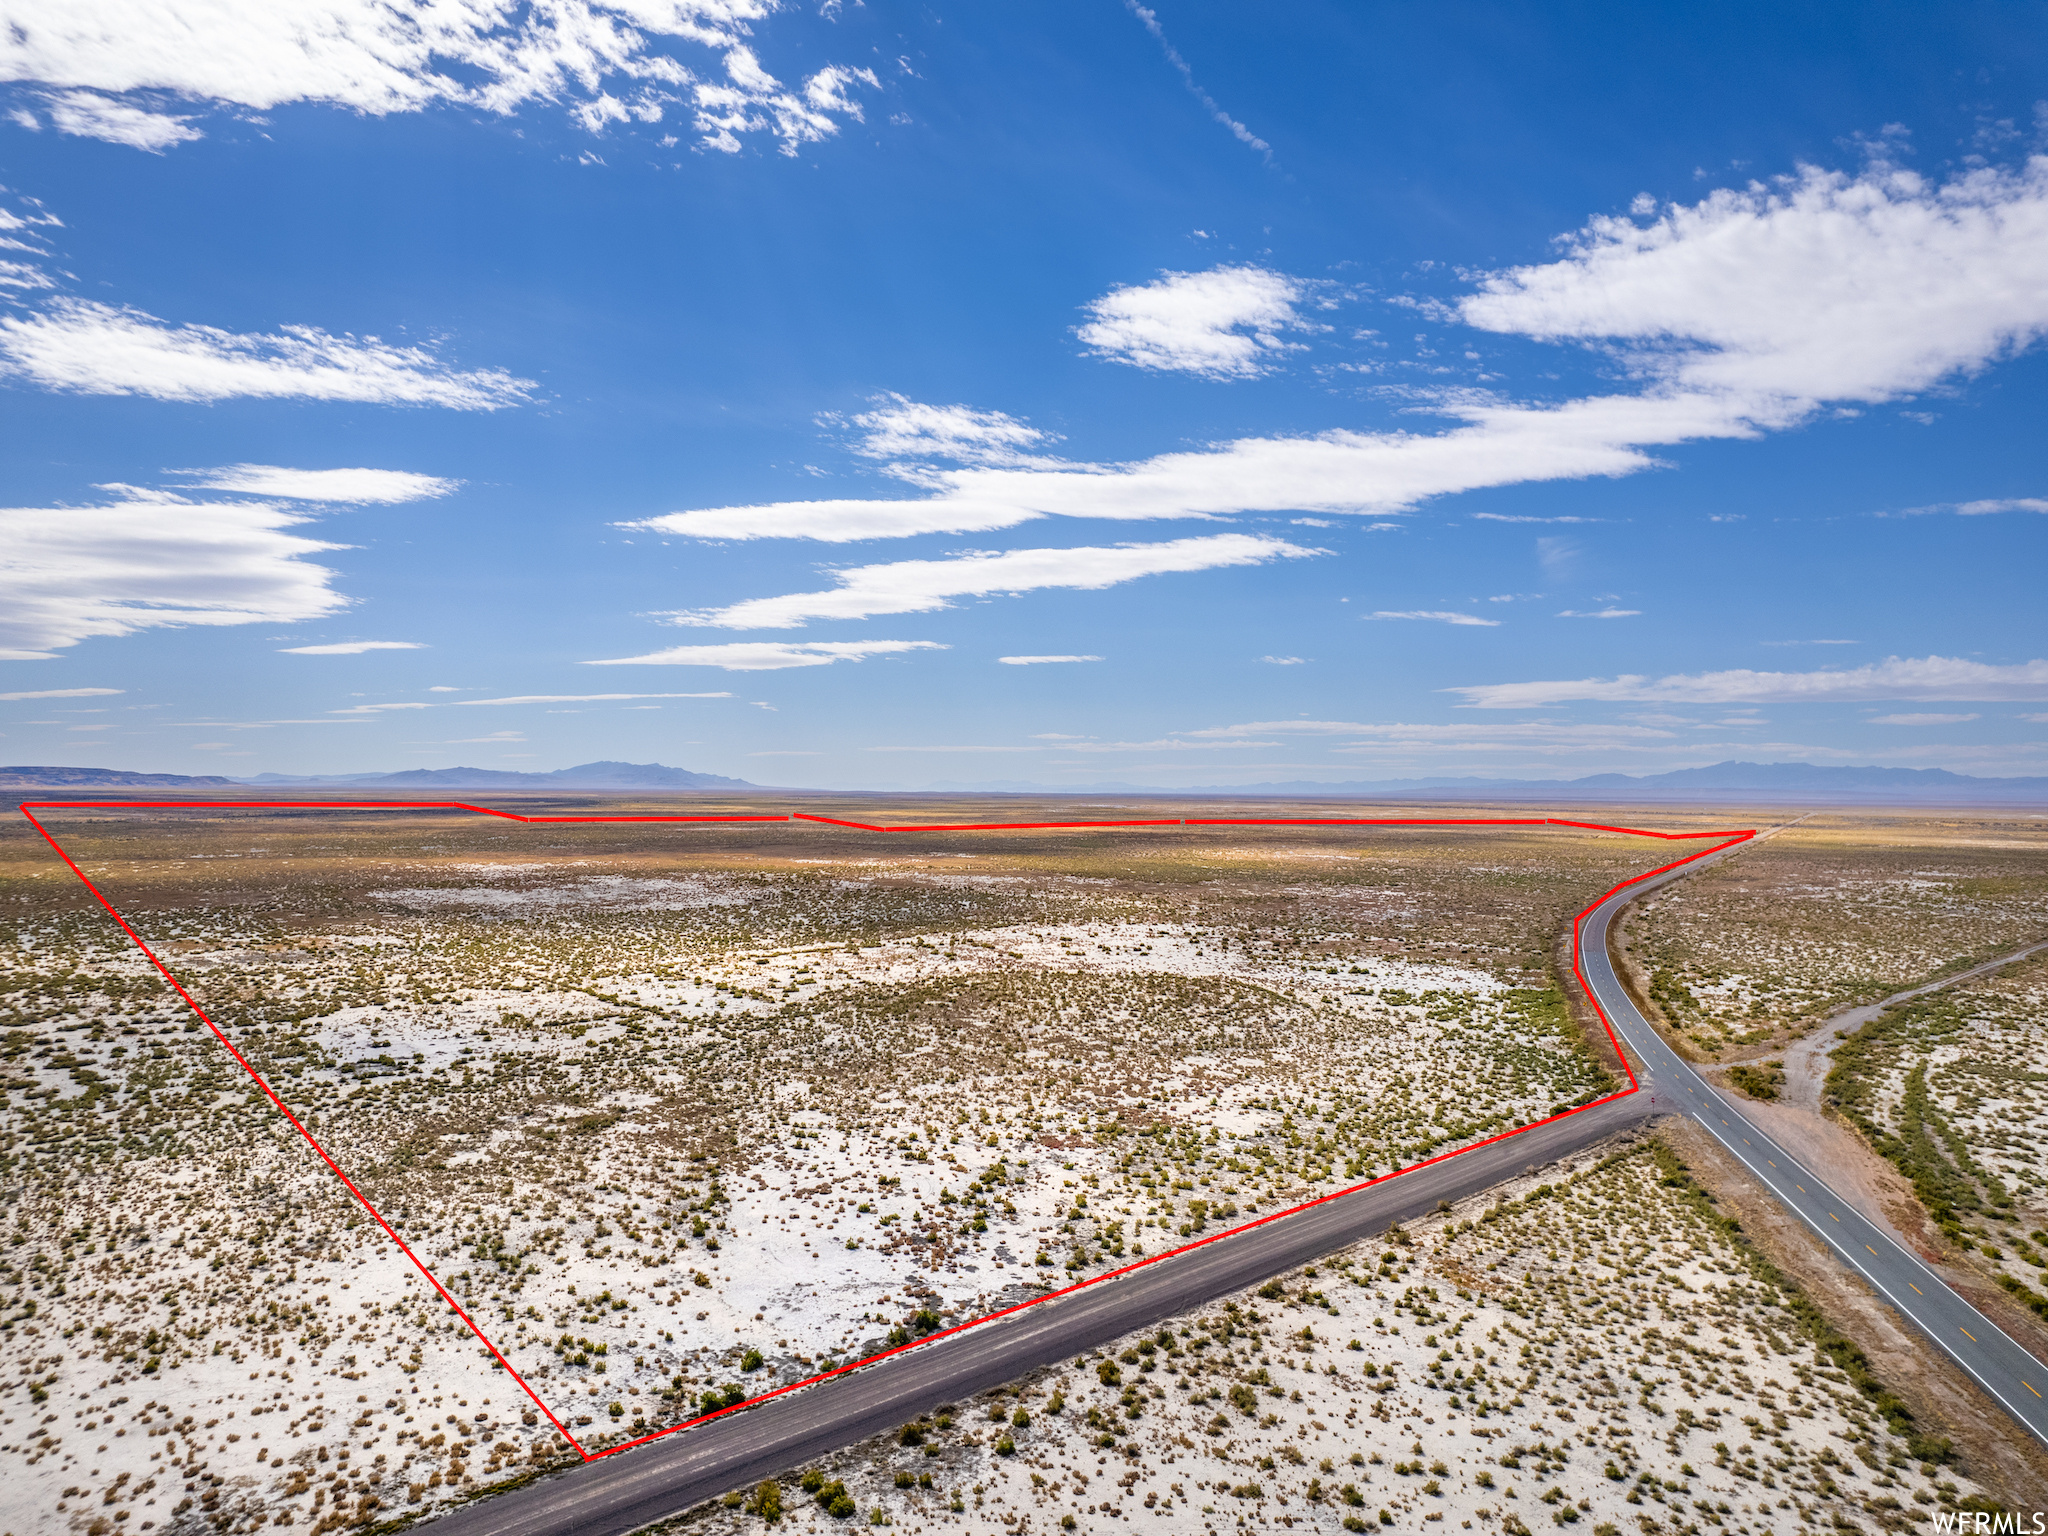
882	395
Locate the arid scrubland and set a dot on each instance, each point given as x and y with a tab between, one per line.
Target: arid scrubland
676	1115
1950	1088
680	1115
1839	909
1596	1350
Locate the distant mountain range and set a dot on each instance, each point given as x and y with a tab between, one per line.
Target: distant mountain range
584	776
605	775
1797	782
106	778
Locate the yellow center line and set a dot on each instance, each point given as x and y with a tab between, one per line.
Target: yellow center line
1800	1187
1916	1289
1873	1253
1769	1161
1834	1218
2028	1385
1966	1333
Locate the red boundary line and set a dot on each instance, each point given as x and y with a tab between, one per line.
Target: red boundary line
1730	839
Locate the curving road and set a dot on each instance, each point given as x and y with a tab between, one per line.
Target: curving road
625	1491
1986	1352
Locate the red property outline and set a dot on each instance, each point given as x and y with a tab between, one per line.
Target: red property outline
1730	840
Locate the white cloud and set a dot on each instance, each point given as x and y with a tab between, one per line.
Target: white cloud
1221	324
584	698
1977	508
359	487
78	346
95	117
1034	661
1931	678
384	56
1743	314
152	561
1818	287
61	693
1922	719
1440	616
904	429
769	655
1283	661
924	586
352	648
1600	613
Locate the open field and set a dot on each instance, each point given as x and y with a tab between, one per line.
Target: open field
1839	909
1591	1347
1949	1087
677	1115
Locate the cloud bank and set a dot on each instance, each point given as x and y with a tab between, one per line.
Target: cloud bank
152	561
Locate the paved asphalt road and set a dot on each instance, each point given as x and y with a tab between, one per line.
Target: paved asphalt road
623	1492
1990	1356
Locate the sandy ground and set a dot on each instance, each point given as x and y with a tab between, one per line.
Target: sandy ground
188	1297
1586	1346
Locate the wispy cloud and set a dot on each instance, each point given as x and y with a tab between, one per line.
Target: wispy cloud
1437	615
905	431
356	487
1600	613
1922	719
582	698
1503	517
1227	323
924	586
352	647
1037	661
1355	736
79	346
1238	131
1986	508
1283	661
60	693
769	655
1932	678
